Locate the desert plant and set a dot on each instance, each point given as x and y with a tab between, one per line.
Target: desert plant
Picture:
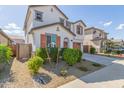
41	52
34	64
5	54
71	56
92	50
63	72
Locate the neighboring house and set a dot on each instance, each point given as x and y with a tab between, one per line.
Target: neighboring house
94	37
118	43
48	26
17	39
4	38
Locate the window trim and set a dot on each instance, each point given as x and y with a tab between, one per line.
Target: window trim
49	34
40	14
79	29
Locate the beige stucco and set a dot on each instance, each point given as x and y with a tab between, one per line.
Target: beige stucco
4	40
94	40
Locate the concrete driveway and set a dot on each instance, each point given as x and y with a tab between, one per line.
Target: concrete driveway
100	59
111	76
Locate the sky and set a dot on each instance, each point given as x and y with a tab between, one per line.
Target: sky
108	18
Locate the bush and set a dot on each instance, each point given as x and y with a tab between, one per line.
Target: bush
119	52
41	52
92	50
53	53
80	55
62	51
5	54
71	56
34	64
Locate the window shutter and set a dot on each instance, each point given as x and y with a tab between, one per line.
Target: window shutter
58	41
43	41
53	38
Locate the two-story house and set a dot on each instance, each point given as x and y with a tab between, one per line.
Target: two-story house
94	37
48	26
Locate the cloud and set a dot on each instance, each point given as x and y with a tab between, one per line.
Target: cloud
107	23
120	27
13	29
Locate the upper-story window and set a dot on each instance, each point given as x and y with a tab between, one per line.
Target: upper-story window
79	30
61	20
94	32
38	15
68	24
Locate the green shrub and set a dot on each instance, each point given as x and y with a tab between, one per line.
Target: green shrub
5	54
119	52
34	64
80	55
71	56
92	50
62	51
53	53
41	52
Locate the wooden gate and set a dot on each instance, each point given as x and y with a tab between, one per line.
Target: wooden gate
23	51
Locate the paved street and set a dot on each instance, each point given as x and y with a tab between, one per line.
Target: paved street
110	76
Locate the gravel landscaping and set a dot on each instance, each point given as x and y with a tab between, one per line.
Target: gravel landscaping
17	75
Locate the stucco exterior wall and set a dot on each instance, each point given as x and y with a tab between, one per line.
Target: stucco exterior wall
3	40
48	15
51	29
89	36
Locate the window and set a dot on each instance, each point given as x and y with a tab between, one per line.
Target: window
48	41
38	16
51	40
94	32
79	30
68	24
61	20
